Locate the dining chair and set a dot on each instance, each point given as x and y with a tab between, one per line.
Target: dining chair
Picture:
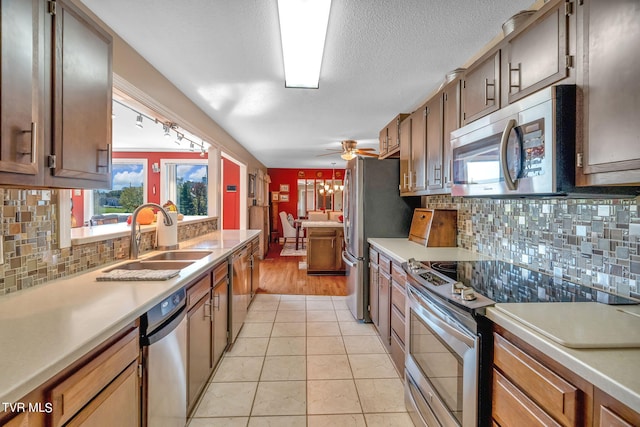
288	230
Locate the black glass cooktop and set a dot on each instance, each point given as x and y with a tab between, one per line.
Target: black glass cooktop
504	282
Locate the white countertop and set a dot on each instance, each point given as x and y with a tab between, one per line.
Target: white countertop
48	327
613	370
401	249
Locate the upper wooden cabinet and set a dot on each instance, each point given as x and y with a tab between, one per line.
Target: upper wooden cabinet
390	137
481	88
405	154
539	55
418	153
435	149
609	152
21	49
56	86
450	122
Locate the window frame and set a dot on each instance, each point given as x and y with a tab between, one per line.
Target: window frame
165	176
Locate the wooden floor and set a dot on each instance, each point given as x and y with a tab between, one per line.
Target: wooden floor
281	275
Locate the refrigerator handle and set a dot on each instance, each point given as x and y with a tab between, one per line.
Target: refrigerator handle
347	259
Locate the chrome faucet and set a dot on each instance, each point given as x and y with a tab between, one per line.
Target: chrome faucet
135	235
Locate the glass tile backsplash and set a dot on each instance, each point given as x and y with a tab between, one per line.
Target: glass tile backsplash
594	242
30	250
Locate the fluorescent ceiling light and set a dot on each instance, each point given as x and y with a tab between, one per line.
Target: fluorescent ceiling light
303	29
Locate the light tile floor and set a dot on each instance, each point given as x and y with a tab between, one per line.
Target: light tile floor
303	361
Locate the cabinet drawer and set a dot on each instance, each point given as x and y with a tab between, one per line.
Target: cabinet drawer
373	256
321	232
398	293
76	391
554	394
397	323
221	272
611	419
398	273
384	264
198	290
397	353
511	407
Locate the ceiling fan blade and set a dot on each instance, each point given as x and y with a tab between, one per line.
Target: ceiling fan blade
366	154
329	154
365	149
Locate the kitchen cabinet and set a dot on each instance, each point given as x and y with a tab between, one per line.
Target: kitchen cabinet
390	137
374	301
199	338
259	220
324	250
106	384
21	57
530	389
384	300
405	154
611	413
220	307
56	97
397	315
450	122
254	264
481	87
539	56
609	151
418	154
433	140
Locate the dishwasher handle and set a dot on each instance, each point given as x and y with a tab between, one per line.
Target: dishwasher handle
165	329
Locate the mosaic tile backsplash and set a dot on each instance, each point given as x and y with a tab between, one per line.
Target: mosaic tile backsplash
593	242
31	253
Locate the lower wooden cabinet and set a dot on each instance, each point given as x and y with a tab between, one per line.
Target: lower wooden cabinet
198	348
220	307
608	412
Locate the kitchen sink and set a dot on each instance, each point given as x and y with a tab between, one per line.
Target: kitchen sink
152	265
179	255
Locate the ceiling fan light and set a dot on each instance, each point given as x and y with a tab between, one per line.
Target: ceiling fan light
303	30
348	155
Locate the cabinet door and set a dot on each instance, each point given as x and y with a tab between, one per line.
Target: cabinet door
611	83
418	163
434	155
405	154
117	405
20	92
384	310
383	142
373	294
608	412
321	253
393	134
481	89
81	94
450	122
536	58
220	319
199	348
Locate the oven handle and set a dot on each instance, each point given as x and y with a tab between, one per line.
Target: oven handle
511	124
440	320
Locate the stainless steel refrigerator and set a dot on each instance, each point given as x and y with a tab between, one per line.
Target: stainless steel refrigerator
372	208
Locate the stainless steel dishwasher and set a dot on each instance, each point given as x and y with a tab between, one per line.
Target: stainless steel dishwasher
164	352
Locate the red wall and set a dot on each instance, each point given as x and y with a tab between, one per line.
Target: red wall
290	176
230	199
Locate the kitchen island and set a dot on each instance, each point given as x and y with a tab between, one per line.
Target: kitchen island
324	247
49	327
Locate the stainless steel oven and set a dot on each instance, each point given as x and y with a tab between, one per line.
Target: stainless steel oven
442	362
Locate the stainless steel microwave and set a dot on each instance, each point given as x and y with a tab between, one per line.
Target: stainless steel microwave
526	148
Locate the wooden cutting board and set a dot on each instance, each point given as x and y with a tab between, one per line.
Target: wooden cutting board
434	227
580	324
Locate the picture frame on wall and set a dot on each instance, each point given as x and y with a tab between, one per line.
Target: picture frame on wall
252	186
284	197
284	188
275	196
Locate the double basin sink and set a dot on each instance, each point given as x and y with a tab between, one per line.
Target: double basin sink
170	260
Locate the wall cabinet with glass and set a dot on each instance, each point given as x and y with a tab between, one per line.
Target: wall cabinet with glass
66	145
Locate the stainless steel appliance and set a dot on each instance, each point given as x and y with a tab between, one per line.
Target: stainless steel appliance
240	288
372	207
449	341
164	351
526	148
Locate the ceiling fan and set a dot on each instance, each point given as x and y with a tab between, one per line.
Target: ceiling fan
349	151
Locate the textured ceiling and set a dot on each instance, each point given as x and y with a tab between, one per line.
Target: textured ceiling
382	57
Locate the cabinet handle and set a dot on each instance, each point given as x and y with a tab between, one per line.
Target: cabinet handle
34	141
104	150
210	315
486	91
437	174
517	70
216	304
